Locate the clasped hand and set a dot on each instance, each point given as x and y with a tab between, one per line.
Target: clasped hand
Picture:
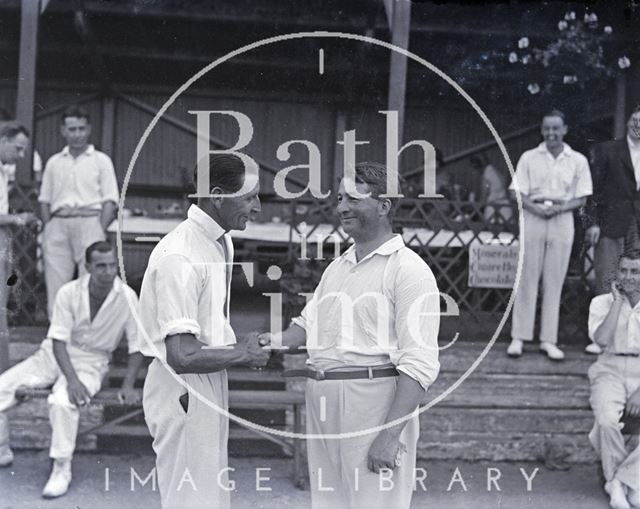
257	355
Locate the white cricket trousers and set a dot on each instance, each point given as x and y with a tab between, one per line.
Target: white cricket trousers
64	241
338	472
41	370
547	244
191	445
613	379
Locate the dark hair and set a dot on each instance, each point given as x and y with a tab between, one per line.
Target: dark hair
375	176
101	246
225	171
636	109
555	113
75	111
12	129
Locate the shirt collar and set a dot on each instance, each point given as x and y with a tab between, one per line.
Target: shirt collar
90	150
392	245
117	283
566	150
212	229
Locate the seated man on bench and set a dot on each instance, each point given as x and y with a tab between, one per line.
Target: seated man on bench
614	324
89	316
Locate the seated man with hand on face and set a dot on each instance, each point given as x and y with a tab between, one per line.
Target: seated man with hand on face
89	316
614	324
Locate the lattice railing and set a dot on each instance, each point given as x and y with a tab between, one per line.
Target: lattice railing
27	301
441	233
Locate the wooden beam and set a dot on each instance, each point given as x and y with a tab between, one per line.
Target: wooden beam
170	119
25	98
398	68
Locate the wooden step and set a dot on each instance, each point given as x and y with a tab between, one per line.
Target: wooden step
505	420
490	446
512	391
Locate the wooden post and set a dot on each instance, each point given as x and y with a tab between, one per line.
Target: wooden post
108	124
620	114
338	151
398	69
25	100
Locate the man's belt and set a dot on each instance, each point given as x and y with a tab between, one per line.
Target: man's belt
355	374
65	213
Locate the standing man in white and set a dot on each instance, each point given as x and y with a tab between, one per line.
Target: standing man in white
89	317
184	307
614	325
78	200
371	331
553	180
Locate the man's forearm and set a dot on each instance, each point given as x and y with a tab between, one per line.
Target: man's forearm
572	204
45	212
409	394
291	340
63	360
604	334
133	366
185	354
107	215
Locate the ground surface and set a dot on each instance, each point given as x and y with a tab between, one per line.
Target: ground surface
20	485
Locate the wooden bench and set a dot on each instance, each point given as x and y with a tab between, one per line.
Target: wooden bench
238	399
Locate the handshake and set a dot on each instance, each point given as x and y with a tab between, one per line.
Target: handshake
256	348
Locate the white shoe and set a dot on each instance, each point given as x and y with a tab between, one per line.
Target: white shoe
58	482
593	349
6	456
552	351
515	348
617	496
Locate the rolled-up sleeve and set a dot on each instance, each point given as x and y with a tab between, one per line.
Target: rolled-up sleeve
584	184
108	181
177	290
62	316
598	311
417	323
46	186
131	326
521	176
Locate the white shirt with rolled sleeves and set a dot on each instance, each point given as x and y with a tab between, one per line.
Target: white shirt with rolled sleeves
71	319
540	175
626	337
410	305
86	181
181	291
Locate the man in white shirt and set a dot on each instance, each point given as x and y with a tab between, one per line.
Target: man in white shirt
89	317
184	312
78	199
371	332
553	180
14	140
614	324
